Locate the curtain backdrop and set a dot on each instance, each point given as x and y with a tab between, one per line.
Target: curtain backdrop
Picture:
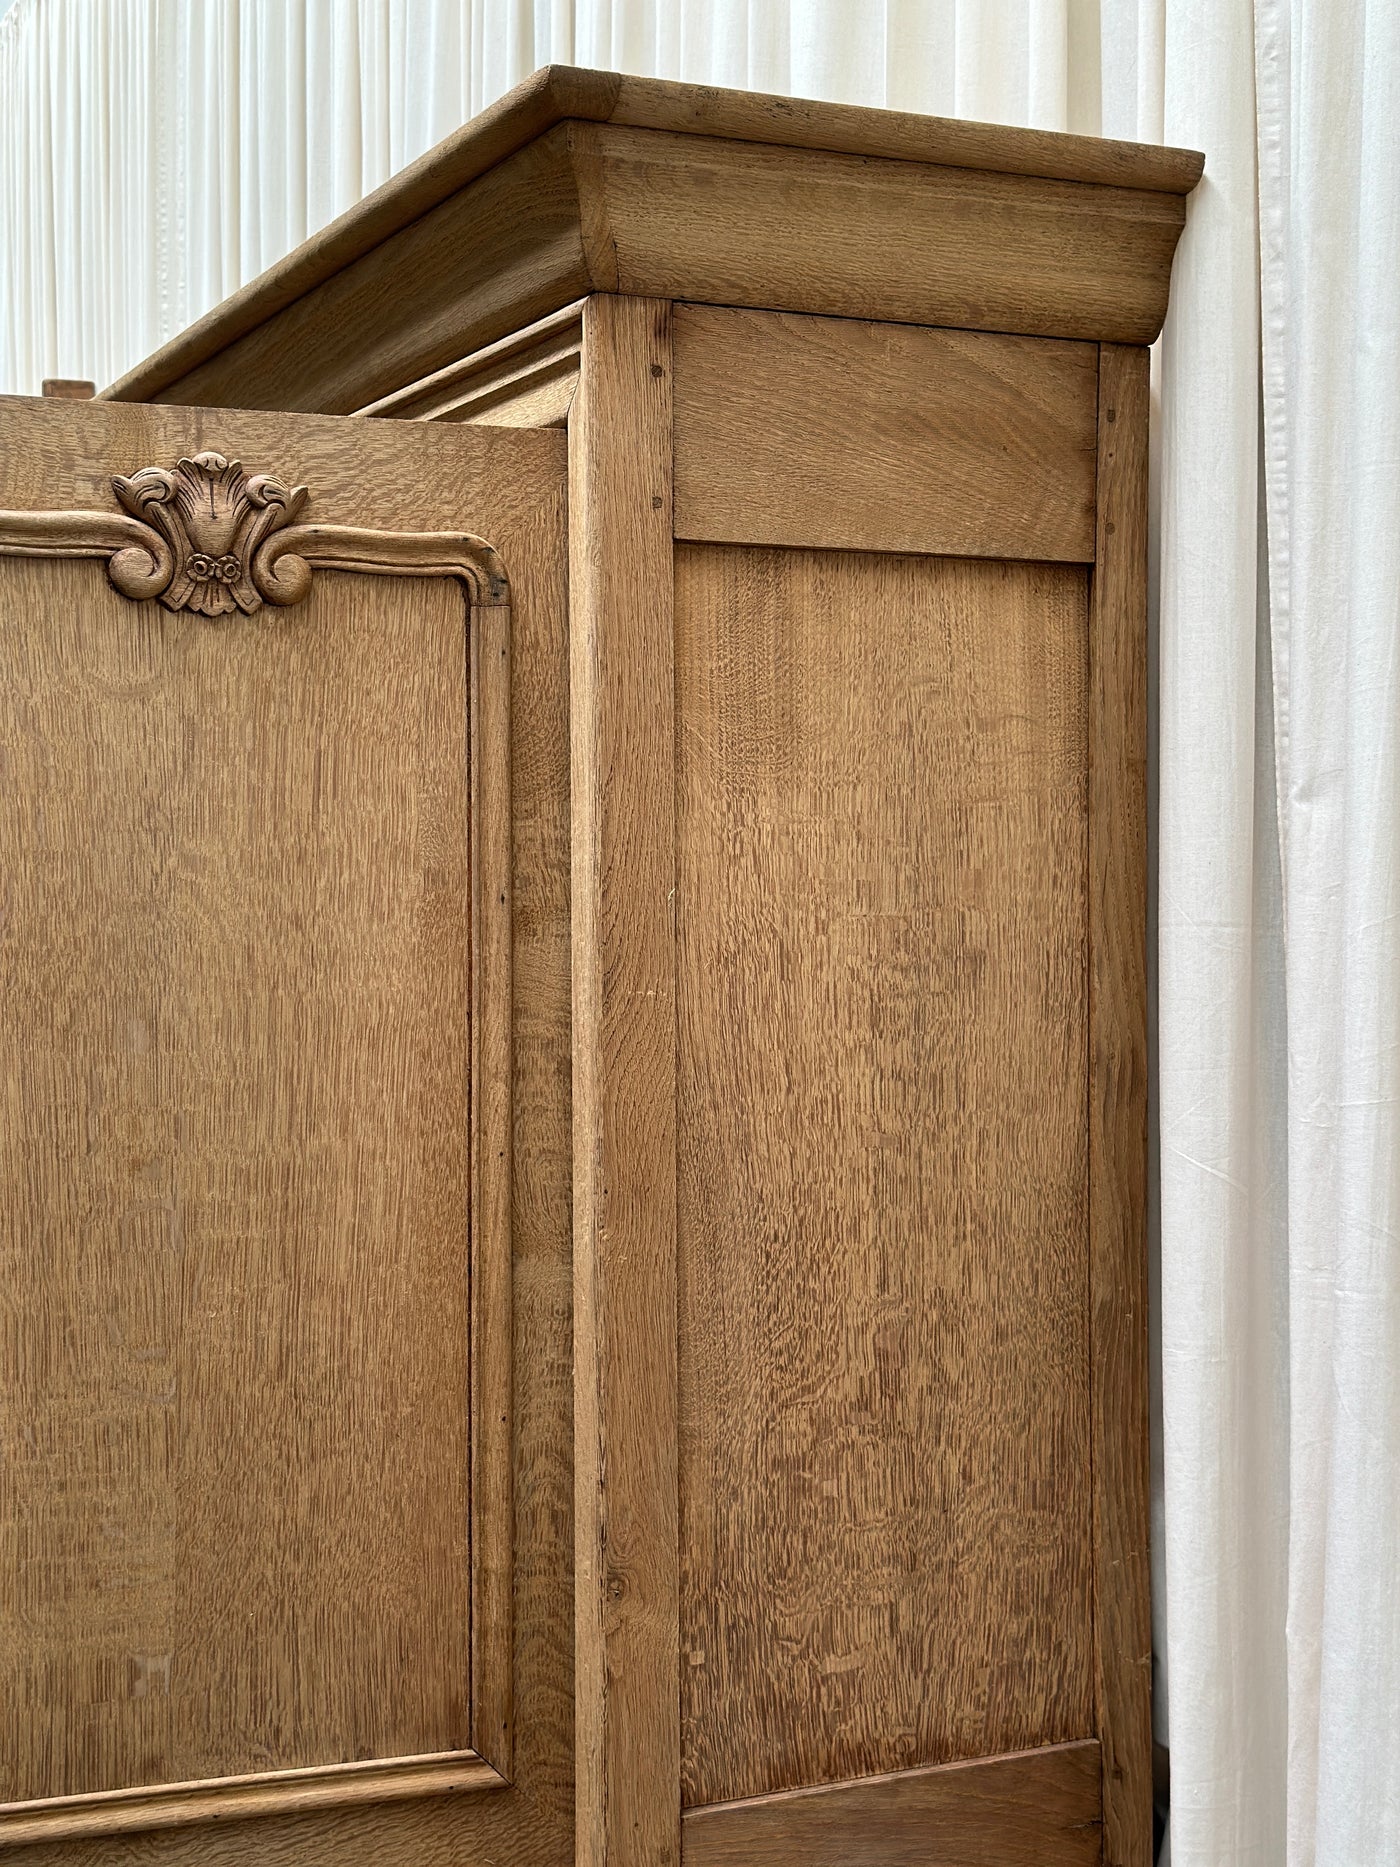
154	154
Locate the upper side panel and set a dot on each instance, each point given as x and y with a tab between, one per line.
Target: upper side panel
883	437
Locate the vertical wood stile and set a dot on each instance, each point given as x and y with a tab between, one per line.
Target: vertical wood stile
1118	1106
492	1482
621	658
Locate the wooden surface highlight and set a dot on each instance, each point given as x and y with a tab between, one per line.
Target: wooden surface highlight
525	381
882	1230
628	1747
237	1798
491	1142
390	1807
470	671
558	93
731	223
1036	1809
1118	1108
239	979
880	437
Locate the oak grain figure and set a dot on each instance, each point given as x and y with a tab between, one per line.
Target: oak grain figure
580	1179
882	1219
1036	1809
203	762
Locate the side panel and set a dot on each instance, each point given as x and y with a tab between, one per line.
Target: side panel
910	1087
986	451
882	1219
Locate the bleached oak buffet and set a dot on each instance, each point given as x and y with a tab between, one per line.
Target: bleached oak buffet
574	1138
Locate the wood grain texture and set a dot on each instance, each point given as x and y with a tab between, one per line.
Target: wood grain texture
882	1232
558	93
491	1111
1118	1108
500	254
239	983
1036	1809
628	1744
239	1798
883	437
458	753
511	485
525	381
802	230
800	123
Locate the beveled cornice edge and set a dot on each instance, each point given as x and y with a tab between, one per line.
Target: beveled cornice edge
560	93
550	343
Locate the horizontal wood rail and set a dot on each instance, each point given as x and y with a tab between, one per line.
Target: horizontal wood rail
1036	1808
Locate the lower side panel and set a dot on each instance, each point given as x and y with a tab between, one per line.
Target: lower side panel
1036	1808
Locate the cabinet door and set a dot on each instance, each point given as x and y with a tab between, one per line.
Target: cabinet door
285	1150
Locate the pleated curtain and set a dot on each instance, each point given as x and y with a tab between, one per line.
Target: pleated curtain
154	154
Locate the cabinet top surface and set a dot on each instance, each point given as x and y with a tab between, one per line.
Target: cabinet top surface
563	95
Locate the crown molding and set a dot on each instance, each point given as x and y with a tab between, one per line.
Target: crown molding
580	182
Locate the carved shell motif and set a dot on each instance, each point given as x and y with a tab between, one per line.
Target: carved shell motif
214	518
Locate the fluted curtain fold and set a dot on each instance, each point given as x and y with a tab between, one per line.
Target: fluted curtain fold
154	154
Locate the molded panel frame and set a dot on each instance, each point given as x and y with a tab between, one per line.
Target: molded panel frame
485	592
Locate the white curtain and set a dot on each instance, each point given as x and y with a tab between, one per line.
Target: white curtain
1329	94
156	153
1280	937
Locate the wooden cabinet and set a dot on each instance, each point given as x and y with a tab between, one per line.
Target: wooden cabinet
575	1117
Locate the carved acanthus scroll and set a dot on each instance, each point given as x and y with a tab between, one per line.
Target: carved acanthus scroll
215	521
205	536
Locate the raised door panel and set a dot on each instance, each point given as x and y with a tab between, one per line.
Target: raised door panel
882	1212
259	1403
239	1182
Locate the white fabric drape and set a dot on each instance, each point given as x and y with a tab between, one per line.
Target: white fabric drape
1224	1311
156	153
1280	942
1330	200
